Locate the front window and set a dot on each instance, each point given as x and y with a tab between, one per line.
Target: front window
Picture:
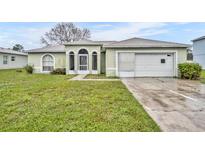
48	63
13	58
5	60
71	56
94	61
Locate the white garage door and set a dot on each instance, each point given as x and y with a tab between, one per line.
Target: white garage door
154	65
146	65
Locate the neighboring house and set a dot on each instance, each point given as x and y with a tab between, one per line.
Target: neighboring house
128	58
199	50
10	59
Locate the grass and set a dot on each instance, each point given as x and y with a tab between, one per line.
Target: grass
203	76
99	76
45	103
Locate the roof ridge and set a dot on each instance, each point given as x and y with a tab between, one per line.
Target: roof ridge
198	38
149	40
44	47
163	41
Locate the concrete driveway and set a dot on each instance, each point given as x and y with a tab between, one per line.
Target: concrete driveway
176	105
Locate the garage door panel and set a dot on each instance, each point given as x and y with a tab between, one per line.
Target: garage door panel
126	63
146	64
151	65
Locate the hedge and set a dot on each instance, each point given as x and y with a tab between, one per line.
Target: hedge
190	71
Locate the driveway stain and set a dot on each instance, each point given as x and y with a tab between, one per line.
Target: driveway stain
176	105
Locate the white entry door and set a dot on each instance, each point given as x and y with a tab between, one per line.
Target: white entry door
154	65
83	64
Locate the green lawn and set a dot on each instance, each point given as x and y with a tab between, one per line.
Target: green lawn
99	76
53	103
203	76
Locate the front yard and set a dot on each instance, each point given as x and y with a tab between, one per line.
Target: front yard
41	102
203	76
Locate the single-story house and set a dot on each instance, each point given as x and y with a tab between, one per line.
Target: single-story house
10	59
135	57
199	51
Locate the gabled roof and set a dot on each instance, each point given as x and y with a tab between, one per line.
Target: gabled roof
84	42
144	43
129	43
199	38
9	51
50	48
106	42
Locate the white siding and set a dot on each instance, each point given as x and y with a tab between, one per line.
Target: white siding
199	52
20	61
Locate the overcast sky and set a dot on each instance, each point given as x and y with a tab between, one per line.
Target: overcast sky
28	34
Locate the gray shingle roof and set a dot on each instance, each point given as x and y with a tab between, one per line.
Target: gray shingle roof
51	48
199	38
144	43
129	43
84	42
9	51
106	42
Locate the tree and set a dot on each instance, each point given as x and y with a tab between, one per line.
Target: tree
64	32
18	47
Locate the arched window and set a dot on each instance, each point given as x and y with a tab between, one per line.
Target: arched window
48	63
83	51
71	60
94	61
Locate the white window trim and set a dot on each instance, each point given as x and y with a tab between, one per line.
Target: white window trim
94	71
14	58
7	59
71	71
42	62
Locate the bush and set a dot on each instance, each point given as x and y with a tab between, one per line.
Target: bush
61	71
29	69
190	71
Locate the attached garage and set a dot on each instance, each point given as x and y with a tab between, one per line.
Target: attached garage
137	57
131	64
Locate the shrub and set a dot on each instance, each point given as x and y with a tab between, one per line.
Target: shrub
61	71
29	69
190	71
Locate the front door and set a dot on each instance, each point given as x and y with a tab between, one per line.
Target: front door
83	63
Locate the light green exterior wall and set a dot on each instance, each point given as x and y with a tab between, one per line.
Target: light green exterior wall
34	59
182	55
111	56
103	62
90	50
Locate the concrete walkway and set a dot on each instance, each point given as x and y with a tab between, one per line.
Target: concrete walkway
99	80
79	77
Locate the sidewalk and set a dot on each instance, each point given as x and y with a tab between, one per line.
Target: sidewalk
79	77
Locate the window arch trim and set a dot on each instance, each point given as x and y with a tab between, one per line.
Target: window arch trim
71	68
83	51
42	61
94	61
